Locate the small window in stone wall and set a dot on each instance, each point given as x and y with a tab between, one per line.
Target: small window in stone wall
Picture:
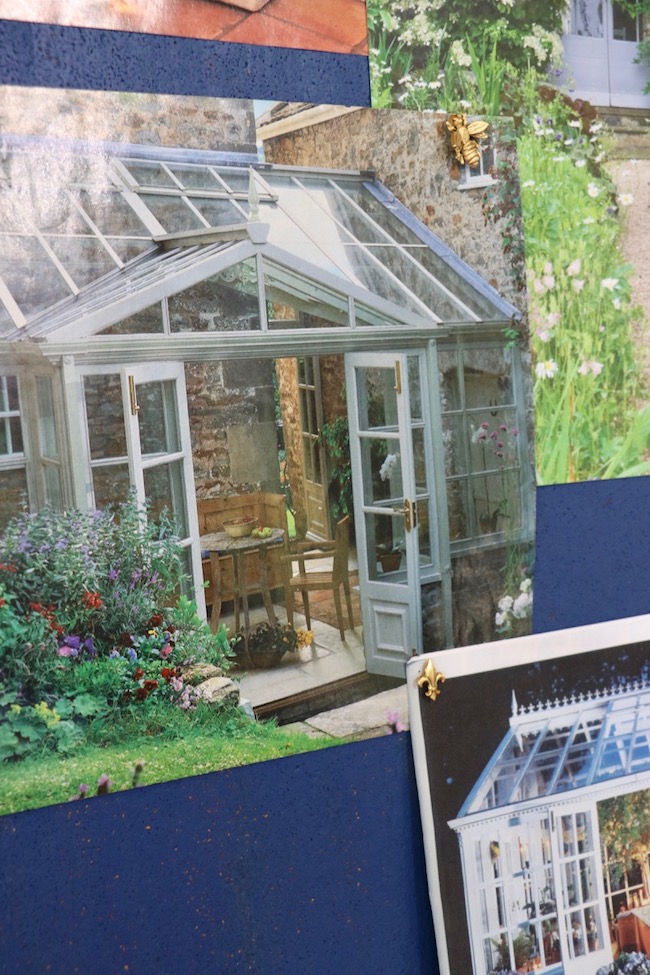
481	442
482	175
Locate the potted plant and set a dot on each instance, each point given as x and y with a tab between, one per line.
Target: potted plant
265	645
390	561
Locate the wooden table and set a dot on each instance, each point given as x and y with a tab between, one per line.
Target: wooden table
220	544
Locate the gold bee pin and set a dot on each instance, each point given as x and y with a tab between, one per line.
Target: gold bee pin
464	136
430	680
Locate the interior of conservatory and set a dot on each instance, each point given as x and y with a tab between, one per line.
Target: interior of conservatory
232	339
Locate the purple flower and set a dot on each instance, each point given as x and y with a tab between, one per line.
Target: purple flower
132	655
103	785
72	641
89	646
83	789
113	575
113	654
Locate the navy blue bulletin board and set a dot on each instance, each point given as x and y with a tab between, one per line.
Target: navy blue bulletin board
307	865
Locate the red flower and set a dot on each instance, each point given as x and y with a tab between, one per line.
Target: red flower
138	674
3	602
7	568
125	640
141	693
91	600
156	620
150	685
167	673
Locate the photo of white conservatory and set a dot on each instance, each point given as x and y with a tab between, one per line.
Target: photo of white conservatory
183	322
551	884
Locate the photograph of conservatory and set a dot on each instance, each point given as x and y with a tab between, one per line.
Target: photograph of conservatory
544	863
232	338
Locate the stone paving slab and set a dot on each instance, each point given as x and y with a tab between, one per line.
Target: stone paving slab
363	718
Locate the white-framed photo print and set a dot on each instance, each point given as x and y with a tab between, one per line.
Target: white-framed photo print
533	769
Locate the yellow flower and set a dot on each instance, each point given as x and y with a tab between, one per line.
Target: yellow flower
15	708
304	638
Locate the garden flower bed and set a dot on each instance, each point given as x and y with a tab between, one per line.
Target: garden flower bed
99	650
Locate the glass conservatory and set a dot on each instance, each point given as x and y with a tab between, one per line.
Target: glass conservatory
148	298
540	887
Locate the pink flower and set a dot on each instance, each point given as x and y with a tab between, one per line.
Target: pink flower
394	723
591	367
578	285
574	267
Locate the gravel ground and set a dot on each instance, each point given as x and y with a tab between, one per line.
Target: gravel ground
633	176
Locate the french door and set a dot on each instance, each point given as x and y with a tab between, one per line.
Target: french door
138	438
582	922
600	46
395	518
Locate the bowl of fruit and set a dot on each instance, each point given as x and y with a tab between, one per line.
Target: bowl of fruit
240	527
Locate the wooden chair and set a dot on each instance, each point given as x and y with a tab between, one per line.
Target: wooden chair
319	580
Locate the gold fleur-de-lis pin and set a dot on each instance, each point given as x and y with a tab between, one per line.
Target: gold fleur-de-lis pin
430	680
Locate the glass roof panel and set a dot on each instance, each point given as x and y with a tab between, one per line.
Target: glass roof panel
581	743
84	258
172	213
149	173
39	289
110	213
433	262
219	213
197	178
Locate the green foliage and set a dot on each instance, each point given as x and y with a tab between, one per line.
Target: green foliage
28	729
587	385
27	646
335	437
441	53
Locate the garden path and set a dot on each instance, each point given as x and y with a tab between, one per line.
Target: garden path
633	176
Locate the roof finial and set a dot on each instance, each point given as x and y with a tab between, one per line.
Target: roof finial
514	704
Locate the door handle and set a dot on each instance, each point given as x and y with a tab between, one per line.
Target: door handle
135	409
410	512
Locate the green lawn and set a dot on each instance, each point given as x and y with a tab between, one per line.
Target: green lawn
52	778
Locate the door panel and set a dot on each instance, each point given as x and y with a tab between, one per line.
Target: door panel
601	47
392	478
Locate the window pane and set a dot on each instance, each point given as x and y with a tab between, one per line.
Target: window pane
53	487
158	418
226	302
104	416
450	398
13	493
380	460
111	485
46	418
487	375
164	488
149	321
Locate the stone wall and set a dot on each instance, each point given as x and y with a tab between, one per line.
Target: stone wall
232	422
410	154
225	124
